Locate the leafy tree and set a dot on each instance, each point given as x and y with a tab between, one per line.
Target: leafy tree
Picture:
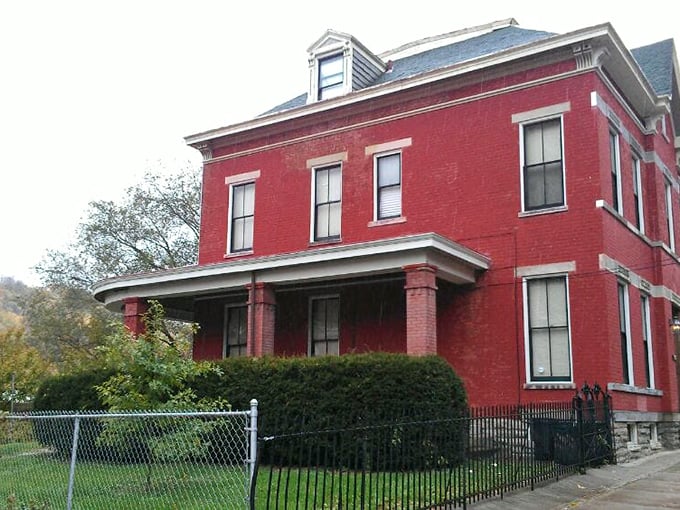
22	368
12	293
155	226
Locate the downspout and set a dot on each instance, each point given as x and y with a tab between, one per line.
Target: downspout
251	305
517	329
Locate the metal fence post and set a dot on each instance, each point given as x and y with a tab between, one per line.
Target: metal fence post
252	458
72	470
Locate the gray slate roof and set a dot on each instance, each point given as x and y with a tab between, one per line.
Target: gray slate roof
656	62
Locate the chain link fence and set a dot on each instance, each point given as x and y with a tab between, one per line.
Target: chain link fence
183	460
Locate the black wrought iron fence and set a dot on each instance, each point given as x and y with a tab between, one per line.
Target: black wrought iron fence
416	462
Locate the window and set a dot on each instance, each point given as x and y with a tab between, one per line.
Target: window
331	76
624	329
324	326
547	319
543	173
242	214
327	203
637	194
647	341
388	186
235	331
617	201
669	216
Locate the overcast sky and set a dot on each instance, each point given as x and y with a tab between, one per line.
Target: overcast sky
92	93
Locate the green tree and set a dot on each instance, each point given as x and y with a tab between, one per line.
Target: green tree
22	368
155	226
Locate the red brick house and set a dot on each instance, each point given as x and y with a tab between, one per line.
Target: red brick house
505	198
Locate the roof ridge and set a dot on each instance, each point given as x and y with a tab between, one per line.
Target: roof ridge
456	33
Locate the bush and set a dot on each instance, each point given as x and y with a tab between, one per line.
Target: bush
301	395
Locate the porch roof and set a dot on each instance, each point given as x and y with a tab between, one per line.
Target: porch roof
455	263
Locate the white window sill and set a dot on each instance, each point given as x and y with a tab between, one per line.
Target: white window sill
655	445
633	447
387	221
550	386
324	242
539	212
627	388
238	254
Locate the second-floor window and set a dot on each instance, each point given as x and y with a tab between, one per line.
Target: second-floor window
327	202
331	76
388	186
637	194
615	163
669	215
543	166
242	217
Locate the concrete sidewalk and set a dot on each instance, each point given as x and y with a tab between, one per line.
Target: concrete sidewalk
650	482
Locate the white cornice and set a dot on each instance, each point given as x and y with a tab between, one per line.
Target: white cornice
604	33
454	262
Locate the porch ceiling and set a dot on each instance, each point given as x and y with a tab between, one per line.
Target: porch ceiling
455	263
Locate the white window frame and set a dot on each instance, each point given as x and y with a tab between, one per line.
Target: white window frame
647	337
637	192
225	328
614	139
310	334
669	214
620	284
337	89
312	227
527	330
233	181
376	197
522	127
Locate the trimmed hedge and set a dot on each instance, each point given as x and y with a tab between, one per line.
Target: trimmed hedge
71	392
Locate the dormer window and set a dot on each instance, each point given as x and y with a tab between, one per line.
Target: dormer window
331	76
339	64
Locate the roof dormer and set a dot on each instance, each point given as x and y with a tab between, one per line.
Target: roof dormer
339	64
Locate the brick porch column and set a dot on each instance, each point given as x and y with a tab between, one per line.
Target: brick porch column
261	318
133	315
421	309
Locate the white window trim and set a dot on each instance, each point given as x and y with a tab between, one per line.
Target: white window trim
225	325
376	205
669	213
537	120
311	325
632	443
312	213
527	339
617	154
629	341
637	160
239	180
647	325
341	49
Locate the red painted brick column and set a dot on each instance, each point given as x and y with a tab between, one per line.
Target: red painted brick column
133	314
421	309
261	319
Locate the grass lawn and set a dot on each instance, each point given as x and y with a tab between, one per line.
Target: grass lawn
31	478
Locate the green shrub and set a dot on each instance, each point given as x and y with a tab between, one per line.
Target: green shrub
71	392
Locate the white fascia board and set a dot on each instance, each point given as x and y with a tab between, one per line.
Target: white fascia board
457	263
553	43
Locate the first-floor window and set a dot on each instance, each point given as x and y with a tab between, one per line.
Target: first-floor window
647	341
235	331
324	325
624	332
548	329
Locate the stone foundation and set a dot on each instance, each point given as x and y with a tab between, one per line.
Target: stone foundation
638	434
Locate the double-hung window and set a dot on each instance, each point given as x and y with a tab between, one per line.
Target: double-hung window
388	186
235	331
324	328
669	215
331	76
637	194
327	203
647	340
547	323
242	215
615	164
624	332
543	169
